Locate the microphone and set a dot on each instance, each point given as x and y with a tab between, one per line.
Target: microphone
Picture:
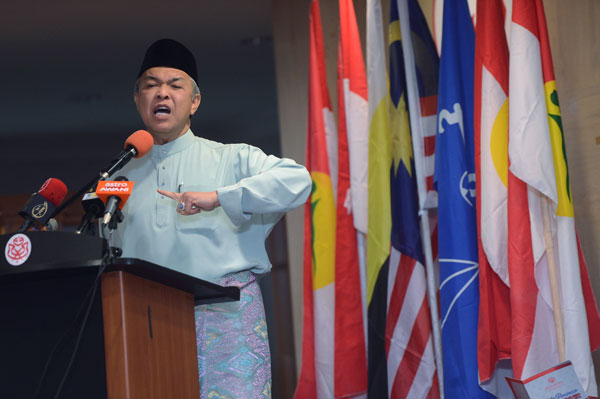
52	225
41	205
114	194
94	209
136	146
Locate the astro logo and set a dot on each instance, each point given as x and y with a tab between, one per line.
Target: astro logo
116	186
111	187
17	249
551	380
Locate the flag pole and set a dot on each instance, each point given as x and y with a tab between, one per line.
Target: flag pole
432	297
416	136
551	260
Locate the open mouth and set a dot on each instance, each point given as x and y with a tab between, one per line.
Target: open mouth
162	110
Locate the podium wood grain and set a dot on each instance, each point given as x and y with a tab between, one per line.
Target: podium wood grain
150	342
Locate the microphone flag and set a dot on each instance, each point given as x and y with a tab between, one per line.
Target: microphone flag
121	189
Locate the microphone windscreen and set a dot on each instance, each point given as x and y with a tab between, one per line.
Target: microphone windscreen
51	225
53	190
141	140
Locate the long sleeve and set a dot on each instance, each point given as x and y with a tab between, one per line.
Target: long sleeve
254	190
266	184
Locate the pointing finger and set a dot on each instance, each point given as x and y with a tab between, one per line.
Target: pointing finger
170	194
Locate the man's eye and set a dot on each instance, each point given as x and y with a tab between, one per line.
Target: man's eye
176	86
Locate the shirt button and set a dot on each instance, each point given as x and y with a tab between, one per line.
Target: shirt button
162	184
164	168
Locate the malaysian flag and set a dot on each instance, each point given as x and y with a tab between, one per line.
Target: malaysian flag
401	351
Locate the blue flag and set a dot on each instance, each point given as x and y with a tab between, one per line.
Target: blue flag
457	223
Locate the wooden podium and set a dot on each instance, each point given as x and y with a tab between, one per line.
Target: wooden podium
139	340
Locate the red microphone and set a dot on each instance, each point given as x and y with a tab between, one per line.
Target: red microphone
41	205
54	190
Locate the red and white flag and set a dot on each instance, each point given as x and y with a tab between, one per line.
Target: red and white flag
317	375
491	162
350	348
541	187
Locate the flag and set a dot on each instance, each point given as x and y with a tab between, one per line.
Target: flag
540	213
491	163
437	19
491	140
350	349
379	200
421	66
317	373
457	226
401	360
492	93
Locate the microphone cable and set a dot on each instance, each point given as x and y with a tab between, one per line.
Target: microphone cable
89	300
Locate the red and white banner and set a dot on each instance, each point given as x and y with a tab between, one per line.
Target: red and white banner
350	348
491	160
317	375
540	213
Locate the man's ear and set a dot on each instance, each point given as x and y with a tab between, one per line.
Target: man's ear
195	103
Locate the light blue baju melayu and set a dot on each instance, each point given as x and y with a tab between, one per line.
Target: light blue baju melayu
222	245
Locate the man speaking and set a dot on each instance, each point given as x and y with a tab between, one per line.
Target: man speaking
205	208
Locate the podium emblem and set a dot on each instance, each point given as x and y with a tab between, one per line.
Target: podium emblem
17	249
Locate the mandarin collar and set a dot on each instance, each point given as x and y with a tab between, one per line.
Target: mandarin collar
179	144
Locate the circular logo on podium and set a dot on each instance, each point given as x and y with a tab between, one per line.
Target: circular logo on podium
17	249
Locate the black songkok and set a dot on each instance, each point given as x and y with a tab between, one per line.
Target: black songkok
172	54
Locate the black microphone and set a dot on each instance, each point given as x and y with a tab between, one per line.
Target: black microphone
41	205
136	146
111	207
94	209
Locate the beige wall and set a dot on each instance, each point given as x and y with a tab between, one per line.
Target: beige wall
574	37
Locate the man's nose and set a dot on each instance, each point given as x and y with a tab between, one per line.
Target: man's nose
162	91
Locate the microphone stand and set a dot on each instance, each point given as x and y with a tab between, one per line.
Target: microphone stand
122	159
115	252
115	220
86	222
